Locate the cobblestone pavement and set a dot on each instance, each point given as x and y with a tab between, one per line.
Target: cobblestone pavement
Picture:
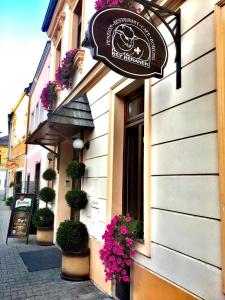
17	283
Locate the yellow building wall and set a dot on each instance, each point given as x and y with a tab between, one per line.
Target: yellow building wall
4	155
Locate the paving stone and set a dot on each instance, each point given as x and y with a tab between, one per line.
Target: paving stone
17	283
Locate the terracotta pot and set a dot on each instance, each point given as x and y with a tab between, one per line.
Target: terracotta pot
75	265
45	236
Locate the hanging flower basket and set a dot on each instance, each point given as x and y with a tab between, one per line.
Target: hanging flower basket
65	72
118	247
49	95
128	4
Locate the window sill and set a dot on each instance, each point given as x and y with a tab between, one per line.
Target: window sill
78	60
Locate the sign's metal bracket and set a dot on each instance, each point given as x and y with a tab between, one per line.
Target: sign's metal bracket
175	30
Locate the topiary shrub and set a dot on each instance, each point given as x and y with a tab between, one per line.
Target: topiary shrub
72	236
75	169
43	217
47	195
49	174
8	201
76	199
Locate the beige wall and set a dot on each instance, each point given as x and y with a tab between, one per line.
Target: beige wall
184	214
62	210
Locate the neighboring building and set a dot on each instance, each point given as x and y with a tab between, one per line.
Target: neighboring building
36	155
4	140
16	164
153	151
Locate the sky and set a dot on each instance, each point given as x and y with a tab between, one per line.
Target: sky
21	45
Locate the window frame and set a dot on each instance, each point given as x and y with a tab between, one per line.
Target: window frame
220	66
115	149
129	123
77	18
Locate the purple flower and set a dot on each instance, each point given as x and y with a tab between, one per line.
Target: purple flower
65	71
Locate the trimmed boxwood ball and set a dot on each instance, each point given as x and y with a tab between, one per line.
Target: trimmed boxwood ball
76	199
72	236
49	174
47	194
75	169
8	201
43	217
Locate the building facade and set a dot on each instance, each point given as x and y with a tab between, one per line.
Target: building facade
155	151
16	164
36	155
3	170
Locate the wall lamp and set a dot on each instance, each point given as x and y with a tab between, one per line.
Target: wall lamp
79	145
51	156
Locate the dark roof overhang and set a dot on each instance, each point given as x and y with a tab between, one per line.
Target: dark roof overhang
63	123
48	15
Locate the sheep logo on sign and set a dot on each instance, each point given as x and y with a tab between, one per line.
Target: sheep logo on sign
128	46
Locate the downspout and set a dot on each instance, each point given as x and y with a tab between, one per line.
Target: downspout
27	93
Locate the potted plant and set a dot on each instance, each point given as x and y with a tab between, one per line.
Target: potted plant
49	174
8	201
76	199
118	250
43	219
75	169
47	195
128	4
72	237
49	95
64	73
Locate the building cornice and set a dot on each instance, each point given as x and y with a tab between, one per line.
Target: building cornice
57	18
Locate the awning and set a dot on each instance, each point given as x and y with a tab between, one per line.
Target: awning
63	123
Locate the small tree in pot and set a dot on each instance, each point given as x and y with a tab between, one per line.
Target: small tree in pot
49	174
43	219
75	169
76	199
47	195
72	237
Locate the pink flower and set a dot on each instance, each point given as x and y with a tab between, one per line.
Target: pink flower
124	272
128	218
123	229
128	262
126	278
132	252
129	241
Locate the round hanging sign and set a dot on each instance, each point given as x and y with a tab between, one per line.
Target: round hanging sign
127	43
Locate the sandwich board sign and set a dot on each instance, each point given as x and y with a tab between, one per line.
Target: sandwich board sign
20	218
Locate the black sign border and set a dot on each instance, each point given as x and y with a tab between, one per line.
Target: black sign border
112	66
32	197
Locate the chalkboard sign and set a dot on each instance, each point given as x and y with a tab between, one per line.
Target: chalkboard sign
20	219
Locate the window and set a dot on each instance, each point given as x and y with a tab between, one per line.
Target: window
28	183
58	54
134	154
37	115
77	25
130	123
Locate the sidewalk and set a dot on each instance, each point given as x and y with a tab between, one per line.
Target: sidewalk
17	283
